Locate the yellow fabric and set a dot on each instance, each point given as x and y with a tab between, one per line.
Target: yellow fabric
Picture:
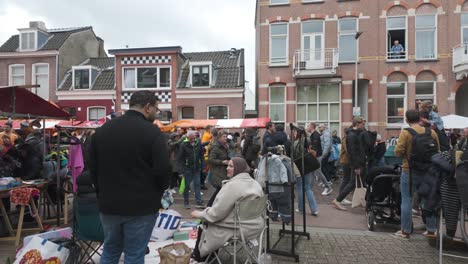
403	148
206	137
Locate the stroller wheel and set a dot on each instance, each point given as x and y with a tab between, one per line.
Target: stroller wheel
370	220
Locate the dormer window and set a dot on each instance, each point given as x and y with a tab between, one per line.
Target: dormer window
32	39
201	74
83	77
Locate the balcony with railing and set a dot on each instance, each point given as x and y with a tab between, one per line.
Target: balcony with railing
315	63
460	61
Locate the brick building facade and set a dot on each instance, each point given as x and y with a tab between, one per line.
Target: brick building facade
306	54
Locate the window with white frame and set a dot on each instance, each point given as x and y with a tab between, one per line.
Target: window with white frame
279	44
347	28
319	103
396	102
312	43
426	37
81	79
278	104
425	90
146	77
464	28
28	40
201	75
396	38
40	75
16	74
218	112
96	113
279	2
187	112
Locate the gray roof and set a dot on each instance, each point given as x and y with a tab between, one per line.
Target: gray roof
104	81
228	69
145	50
55	41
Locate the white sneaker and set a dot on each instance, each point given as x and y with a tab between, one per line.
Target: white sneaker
346	202
327	191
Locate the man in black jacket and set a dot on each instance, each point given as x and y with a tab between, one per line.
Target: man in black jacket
130	169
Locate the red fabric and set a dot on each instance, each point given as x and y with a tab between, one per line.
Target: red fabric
21	196
28	103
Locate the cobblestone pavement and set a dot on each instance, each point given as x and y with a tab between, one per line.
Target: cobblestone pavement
346	246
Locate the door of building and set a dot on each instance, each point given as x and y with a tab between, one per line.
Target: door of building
313	52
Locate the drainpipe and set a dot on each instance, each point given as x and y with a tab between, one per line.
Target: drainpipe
56	76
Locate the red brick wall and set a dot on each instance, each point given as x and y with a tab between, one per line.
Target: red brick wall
201	106
84	104
372	50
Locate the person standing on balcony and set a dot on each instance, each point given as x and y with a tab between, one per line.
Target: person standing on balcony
397	51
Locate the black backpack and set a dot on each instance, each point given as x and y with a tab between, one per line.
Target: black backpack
422	148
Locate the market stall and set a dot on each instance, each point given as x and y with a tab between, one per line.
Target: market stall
219	123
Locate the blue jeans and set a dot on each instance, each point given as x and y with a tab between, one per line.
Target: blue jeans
407	202
192	175
127	234
308	191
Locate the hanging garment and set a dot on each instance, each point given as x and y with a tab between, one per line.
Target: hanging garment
75	163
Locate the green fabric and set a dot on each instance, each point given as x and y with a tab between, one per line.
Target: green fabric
182	186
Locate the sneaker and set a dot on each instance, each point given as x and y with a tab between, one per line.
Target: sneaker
315	213
327	191
429	234
338	206
299	212
401	234
200	205
346	202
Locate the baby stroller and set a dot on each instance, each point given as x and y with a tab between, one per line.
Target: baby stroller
383	196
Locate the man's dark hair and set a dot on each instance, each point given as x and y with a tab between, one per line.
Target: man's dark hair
279	127
142	98
412	116
269	125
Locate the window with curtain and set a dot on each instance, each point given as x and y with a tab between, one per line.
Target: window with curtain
464	28
17	75
396	107
319	103
279	43
28	41
426	36
277	104
129	78
347	29
146	77
96	113
41	77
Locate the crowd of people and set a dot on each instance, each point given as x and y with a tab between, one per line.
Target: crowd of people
190	160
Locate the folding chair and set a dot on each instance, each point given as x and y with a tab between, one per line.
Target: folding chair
245	210
87	227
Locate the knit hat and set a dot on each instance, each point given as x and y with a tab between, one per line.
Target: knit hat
240	165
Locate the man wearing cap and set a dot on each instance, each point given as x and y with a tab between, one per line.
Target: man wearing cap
130	178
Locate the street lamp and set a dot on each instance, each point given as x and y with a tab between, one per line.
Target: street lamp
355	111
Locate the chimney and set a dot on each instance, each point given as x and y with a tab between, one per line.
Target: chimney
38	25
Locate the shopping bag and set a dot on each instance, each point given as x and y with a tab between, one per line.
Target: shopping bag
175	254
39	251
182	186
359	196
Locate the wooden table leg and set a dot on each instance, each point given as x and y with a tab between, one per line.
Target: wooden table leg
6	218
20	225
36	213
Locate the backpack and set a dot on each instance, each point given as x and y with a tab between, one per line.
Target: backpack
423	147
334	153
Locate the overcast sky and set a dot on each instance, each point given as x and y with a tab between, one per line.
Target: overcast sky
195	25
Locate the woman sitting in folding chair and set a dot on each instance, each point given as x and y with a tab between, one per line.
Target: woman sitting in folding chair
219	219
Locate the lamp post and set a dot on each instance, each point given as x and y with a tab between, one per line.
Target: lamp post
355	110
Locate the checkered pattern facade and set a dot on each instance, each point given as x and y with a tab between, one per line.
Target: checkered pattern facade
146	59
164	96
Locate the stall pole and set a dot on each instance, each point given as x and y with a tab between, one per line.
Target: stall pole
58	176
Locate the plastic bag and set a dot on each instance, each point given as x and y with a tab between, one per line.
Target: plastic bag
40	250
182	186
175	254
